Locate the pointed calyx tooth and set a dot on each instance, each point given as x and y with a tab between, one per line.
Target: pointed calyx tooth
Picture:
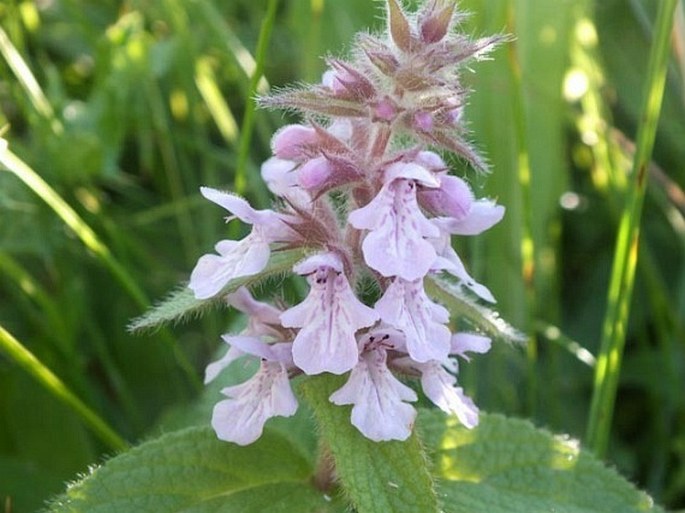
353	83
317	100
399	26
435	22
378	53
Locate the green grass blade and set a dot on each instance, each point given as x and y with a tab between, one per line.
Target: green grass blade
27	361
246	129
625	257
25	77
89	238
82	230
218	108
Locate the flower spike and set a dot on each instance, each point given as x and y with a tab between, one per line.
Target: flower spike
364	194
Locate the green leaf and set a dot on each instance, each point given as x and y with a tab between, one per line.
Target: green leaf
461	305
182	303
378	477
192	471
507	465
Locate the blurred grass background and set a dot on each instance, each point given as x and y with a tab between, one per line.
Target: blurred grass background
124	108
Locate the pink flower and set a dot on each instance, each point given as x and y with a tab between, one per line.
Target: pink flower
439	383
241	417
238	258
263	320
328	318
406	306
380	410
395	244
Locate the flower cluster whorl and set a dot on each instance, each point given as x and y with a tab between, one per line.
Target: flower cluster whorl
394	210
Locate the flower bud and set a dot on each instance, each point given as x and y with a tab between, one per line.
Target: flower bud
423	121
314	173
347	82
385	110
434	24
290	141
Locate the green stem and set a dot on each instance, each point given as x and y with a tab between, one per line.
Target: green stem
246	129
625	257
34	367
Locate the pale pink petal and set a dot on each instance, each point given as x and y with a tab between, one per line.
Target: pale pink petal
241	417
314	173
430	160
380	411
411	171
396	246
313	263
439	387
260	314
383	337
233	203
328	319
268	223
374	213
469	342
236	258
406	306
279	175
214	369
448	260
483	215
341	128
241	345
250	345
453	198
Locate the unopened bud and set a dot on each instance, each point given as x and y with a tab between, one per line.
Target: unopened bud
314	173
385	110
289	142
345	81
423	121
435	23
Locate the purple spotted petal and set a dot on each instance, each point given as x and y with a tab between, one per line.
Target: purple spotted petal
380	411
406	306
328	319
241	417
395	246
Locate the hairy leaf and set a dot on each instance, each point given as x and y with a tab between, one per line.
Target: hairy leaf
460	304
378	477
508	466
192	471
